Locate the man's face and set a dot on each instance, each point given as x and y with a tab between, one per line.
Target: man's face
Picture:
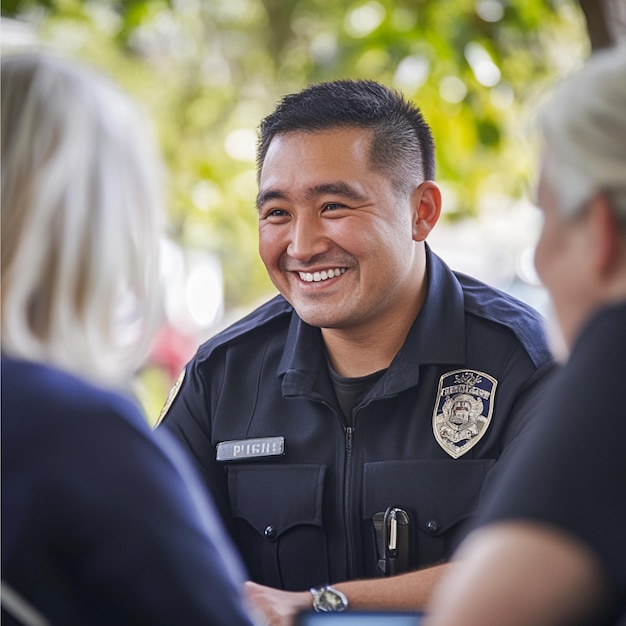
562	262
336	240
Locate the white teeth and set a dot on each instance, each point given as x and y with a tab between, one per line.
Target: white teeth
317	277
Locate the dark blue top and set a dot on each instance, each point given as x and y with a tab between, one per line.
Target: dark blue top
305	517
570	472
102	522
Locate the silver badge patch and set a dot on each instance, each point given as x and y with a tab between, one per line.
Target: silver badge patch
463	410
245	449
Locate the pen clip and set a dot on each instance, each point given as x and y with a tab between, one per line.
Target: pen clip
392	543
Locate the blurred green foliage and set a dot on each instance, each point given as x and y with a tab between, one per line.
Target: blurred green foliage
207	71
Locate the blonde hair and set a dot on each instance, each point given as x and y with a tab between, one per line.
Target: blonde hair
80	219
584	129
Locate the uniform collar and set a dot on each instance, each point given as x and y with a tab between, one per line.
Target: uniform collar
436	337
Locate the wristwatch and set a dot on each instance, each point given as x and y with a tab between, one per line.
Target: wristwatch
326	599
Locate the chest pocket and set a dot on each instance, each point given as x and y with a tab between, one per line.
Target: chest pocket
278	514
439	497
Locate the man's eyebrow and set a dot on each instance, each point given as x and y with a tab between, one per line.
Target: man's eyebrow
335	188
266	196
338	188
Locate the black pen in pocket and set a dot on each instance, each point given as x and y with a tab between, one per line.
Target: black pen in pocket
395	549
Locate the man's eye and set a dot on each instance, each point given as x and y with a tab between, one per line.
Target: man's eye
275	213
333	206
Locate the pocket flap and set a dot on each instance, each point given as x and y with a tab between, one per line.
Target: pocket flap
277	497
444	492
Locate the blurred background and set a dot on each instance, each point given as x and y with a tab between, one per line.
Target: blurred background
207	71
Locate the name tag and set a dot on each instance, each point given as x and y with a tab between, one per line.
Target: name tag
244	449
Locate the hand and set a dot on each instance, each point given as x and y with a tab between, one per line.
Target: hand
278	607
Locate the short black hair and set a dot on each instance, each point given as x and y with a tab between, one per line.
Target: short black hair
402	145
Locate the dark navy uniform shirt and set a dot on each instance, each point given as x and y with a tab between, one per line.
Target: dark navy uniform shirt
304	517
102	522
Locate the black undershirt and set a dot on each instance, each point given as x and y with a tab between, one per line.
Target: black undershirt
350	391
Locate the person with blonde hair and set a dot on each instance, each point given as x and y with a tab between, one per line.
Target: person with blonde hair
549	548
103	522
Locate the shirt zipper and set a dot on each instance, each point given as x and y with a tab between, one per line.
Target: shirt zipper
347	502
347	493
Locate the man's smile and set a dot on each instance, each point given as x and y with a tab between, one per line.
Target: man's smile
309	277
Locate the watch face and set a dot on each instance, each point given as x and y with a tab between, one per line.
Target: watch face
331	600
328	600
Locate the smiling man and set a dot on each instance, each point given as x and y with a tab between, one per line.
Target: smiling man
340	390
330	236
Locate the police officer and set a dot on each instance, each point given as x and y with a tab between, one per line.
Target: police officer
347	427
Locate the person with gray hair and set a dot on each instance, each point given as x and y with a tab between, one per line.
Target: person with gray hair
549	545
103	522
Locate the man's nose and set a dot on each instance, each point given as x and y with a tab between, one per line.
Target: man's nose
308	239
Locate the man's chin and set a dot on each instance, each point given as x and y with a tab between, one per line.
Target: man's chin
320	319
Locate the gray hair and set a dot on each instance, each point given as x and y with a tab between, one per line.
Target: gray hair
584	128
81	211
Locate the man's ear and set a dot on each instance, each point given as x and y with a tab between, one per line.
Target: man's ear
605	236
426	204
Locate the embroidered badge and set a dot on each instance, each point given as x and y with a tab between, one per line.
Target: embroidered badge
463	410
170	397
